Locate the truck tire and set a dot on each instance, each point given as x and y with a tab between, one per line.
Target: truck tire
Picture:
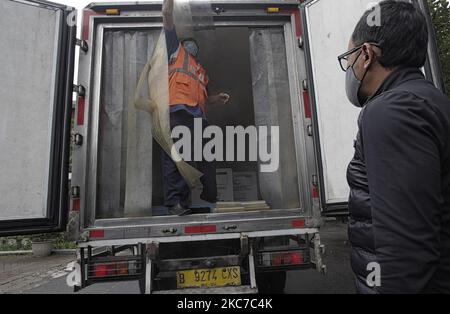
271	283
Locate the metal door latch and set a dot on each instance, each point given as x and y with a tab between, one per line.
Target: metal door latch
78	139
300	42
315	180
75	192
219	10
305	85
171	230
79	89
309	130
83	45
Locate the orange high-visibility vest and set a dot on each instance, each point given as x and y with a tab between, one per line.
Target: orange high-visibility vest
187	81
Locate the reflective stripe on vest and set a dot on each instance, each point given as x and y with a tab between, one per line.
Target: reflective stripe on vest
185	69
187	81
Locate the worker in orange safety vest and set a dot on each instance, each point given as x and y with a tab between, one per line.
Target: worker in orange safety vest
188	96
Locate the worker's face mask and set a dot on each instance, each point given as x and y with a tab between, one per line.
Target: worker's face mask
191	47
353	85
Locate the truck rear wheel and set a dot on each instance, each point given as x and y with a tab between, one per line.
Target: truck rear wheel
274	282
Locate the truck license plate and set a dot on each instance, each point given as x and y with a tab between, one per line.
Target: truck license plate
214	277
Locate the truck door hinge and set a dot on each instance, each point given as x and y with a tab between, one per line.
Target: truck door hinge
305	85
300	42
219	10
309	130
78	139
170	230
75	192
83	45
230	227
315	180
79	89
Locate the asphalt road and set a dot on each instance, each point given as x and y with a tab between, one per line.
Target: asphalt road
339	278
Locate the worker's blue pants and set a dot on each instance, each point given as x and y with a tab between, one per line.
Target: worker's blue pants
176	190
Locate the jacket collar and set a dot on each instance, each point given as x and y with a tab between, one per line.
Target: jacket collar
398	77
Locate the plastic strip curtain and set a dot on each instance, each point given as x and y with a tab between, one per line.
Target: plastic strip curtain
125	138
272	105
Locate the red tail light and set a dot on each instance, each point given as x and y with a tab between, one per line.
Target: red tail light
298	223
268	259
111	269
280	259
97	233
101	270
297	258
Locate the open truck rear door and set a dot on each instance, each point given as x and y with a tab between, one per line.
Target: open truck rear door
328	25
37	60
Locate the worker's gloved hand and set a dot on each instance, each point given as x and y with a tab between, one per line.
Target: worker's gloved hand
224	97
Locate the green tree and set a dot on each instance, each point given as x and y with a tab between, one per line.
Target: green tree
440	12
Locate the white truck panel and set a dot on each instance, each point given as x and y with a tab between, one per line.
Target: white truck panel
330	25
29	36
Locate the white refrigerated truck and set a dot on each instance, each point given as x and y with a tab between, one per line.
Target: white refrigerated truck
278	60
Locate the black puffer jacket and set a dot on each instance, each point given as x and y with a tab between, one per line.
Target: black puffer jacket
400	187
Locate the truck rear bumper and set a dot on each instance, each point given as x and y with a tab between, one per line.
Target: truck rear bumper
199	237
227	225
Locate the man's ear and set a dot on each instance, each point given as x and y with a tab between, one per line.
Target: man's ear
368	55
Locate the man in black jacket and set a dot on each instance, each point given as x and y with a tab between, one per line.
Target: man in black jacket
399	203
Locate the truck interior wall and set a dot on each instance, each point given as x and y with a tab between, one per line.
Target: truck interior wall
248	63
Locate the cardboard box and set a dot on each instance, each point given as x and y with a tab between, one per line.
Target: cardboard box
245	186
224	188
225	185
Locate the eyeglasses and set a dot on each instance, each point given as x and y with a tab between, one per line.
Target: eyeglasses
343	58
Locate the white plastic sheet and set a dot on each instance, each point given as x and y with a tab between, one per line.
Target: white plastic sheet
191	16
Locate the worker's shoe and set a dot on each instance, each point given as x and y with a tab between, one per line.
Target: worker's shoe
179	210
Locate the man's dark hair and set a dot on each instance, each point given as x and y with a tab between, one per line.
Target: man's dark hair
402	34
